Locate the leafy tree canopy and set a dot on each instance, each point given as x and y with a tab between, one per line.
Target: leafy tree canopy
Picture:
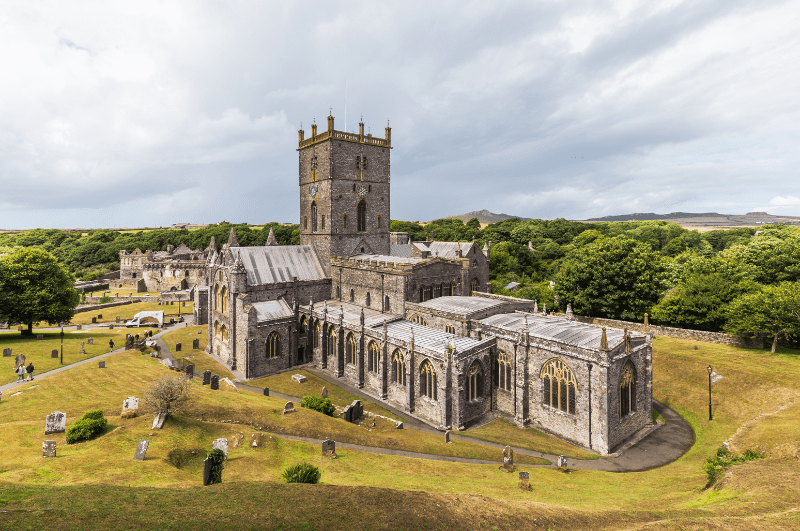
774	310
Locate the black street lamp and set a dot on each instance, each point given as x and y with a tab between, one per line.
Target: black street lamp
710	417
62	342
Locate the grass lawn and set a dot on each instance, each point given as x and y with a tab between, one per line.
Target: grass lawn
202	361
283	383
88	484
127	311
122	292
504	432
38	351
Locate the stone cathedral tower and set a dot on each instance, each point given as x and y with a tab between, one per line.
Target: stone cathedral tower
344	192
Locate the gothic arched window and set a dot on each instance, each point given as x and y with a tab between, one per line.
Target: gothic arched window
368	300
474	284
379	221
314	216
386	306
427	380
338	292
398	368
372	358
503	379
352	295
332	342
475	381
559	386
317	334
361	216
302	325
273	345
627	390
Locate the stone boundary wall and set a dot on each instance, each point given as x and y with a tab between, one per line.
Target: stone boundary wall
124	300
91	307
678	333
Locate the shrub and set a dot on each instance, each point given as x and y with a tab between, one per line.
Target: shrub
323	405
104	299
217	457
302	473
90	424
717	465
168	395
180	457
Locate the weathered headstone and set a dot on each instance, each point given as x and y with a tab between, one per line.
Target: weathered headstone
207	471
266	391
524	481
94	320
168	363
447	436
101	364
525	475
117	319
39	337
83	351
221	444
347	414
99	315
288	408
90	341
508	457
324	392
6	352
141	449
158	421
399	426
79	327
562	461
329	448
54	353
48	449
19	360
215	382
55	422
206	377
130	407
196	344
177	347
189	371
357	410
299	378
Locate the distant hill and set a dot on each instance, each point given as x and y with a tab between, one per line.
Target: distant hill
484	216
650	216
707	220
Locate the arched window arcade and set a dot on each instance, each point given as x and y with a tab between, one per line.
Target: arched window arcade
398	368
273	345
427	381
559	386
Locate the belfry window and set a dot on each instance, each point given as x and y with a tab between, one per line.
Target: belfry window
627	390
323	221
558	386
314	216
361	216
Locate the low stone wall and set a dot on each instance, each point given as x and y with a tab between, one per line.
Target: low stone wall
126	300
91	307
679	333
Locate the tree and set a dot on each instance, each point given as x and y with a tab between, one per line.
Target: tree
35	287
616	278
774	310
168	395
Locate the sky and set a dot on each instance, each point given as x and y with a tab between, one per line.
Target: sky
149	113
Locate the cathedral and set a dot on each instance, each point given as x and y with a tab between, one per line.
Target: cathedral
412	324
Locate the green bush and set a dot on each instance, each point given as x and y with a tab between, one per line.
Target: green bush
104	299
716	466
302	473
323	405
90	424
217	457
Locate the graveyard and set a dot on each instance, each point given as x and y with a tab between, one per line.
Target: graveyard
91	481
127	311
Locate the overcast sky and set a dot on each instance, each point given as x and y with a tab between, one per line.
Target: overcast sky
130	114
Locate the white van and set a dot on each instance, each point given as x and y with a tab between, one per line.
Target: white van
147	319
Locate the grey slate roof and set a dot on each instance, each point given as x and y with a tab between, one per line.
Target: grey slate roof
425	336
448	249
268	310
460	304
401	249
279	263
352	313
558	329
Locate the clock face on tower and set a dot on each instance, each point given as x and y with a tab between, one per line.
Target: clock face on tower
362	190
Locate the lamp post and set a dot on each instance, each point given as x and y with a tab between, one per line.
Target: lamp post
62	342
710	417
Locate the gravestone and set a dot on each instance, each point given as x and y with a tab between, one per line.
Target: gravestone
19	360
117	319
215	382
399	426
94	320
90	341
101	364
329	448
447	436
324	392
48	449
141	449
266	391
288	408
82	349
299	378
79	327
524	481
196	344
524	475
508	457
130	407
99	315
207	471
562	461
189	371
177	347
168	363
54	353
39	337
183	304
221	444
158	421
1	395
55	422
347	414
206	377
6	352
357	410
